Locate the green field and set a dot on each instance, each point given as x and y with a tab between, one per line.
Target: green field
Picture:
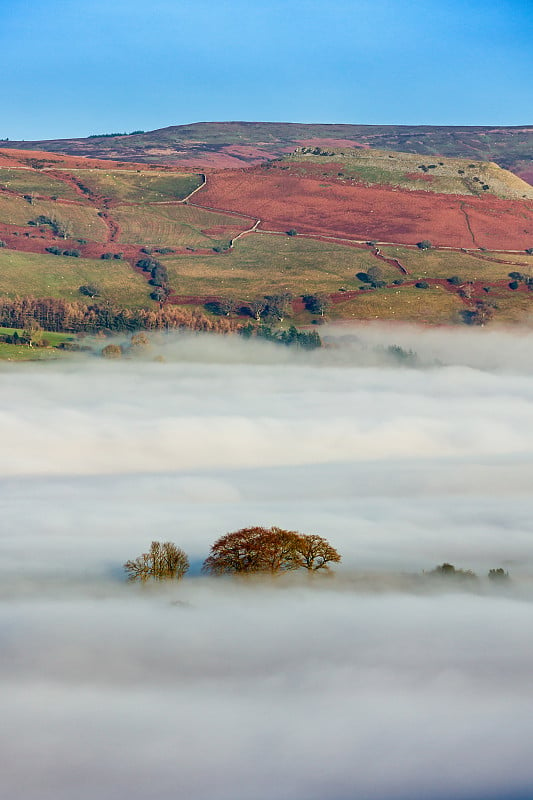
406	304
80	222
445	264
176	226
134	187
22	352
59	276
25	181
261	264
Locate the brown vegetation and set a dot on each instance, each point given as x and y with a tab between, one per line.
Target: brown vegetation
268	550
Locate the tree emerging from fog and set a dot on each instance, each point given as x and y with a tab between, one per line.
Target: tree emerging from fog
268	550
164	561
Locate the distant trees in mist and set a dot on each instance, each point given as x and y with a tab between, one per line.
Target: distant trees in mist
248	551
163	561
269	551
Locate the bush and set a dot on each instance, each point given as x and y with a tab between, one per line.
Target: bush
292	232
425	244
422	285
112	351
2	243
514	285
106	256
498	574
455	280
89	290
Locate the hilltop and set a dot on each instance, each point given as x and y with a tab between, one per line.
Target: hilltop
237	144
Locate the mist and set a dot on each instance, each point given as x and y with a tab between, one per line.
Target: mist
376	681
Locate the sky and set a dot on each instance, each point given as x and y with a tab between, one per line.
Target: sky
76	68
376	682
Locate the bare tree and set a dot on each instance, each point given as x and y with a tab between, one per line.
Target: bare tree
164	561
257	307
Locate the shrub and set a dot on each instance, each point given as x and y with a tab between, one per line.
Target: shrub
112	351
425	244
455	280
89	290
422	285
514	285
106	256
292	232
498	574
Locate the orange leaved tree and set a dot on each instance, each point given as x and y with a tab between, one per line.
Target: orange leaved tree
268	550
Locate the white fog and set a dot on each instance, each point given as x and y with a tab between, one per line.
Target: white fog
375	682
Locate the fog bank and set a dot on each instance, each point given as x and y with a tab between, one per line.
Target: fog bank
372	683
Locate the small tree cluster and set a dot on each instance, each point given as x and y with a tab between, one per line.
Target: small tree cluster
317	303
269	550
158	277
292	337
163	561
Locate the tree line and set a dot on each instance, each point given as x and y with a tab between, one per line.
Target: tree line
54	314
265	551
248	551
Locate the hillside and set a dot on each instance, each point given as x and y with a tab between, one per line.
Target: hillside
376	234
236	144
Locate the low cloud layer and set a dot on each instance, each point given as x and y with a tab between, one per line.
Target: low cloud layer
375	683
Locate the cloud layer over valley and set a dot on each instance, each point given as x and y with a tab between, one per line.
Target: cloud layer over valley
378	682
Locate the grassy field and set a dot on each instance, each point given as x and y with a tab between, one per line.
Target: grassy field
25	181
406	304
57	276
21	352
133	187
261	264
445	264
82	222
176	225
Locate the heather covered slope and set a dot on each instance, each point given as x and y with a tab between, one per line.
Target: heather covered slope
230	144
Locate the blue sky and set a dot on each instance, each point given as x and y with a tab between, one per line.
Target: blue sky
72	68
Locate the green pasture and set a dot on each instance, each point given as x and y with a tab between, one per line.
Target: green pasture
263	264
79	222
403	304
176	226
27	181
133	187
61	276
447	263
